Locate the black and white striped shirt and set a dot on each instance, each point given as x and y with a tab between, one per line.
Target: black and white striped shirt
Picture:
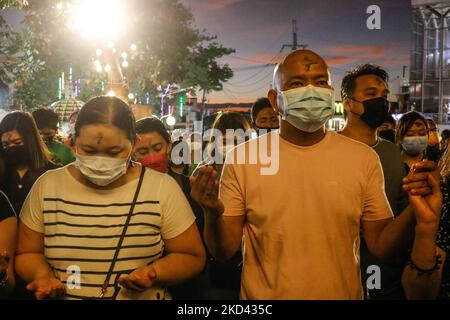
82	227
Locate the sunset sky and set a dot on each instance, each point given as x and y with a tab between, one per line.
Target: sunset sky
336	29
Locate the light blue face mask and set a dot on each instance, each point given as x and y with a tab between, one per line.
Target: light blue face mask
415	145
308	108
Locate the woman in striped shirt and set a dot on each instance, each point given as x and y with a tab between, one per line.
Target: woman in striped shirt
72	222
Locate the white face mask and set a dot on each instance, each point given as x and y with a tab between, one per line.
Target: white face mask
102	171
308	108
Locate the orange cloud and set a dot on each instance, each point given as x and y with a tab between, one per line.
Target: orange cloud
335	61
362	51
219	4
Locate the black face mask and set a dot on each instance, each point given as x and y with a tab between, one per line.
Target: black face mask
388	135
261	131
376	111
16	156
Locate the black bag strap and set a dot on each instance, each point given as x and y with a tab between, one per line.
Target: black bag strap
122	236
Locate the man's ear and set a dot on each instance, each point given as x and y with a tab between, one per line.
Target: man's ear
346	104
273	96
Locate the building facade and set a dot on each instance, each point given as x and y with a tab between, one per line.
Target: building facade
430	58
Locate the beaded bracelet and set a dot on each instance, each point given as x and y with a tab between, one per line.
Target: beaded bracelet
427	272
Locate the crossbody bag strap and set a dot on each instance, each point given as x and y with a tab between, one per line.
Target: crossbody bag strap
122	236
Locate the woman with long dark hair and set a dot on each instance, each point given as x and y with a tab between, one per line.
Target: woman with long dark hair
26	157
217	149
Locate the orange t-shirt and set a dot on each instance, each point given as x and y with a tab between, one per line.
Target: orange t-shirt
302	224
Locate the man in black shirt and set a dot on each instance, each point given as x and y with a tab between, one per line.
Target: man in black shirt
365	116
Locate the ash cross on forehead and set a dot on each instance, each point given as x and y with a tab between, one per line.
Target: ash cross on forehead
99	138
309	62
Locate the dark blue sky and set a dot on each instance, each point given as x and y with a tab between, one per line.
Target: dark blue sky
336	29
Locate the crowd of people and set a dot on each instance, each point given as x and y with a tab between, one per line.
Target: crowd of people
109	213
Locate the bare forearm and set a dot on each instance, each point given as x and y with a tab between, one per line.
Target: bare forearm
178	267
423	256
394	237
219	237
33	266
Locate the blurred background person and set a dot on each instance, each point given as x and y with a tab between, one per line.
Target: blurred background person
387	129
70	140
47	123
153	150
180	167
224	121
26	159
433	149
264	117
25	154
445	139
412	138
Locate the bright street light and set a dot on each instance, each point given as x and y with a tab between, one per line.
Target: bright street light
99	19
171	121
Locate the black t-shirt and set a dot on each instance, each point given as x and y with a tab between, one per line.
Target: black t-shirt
17	188
6	209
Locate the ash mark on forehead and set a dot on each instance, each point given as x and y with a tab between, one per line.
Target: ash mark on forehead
309	62
99	138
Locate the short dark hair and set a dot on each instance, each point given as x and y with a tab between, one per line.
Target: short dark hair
390	119
153	124
445	134
406	122
258	106
45	118
109	111
349	81
24	124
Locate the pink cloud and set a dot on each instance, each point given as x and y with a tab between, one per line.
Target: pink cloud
386	56
219	4
362	51
335	61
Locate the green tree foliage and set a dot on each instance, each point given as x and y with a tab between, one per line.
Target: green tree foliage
170	50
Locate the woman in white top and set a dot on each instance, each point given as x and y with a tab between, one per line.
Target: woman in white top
75	218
